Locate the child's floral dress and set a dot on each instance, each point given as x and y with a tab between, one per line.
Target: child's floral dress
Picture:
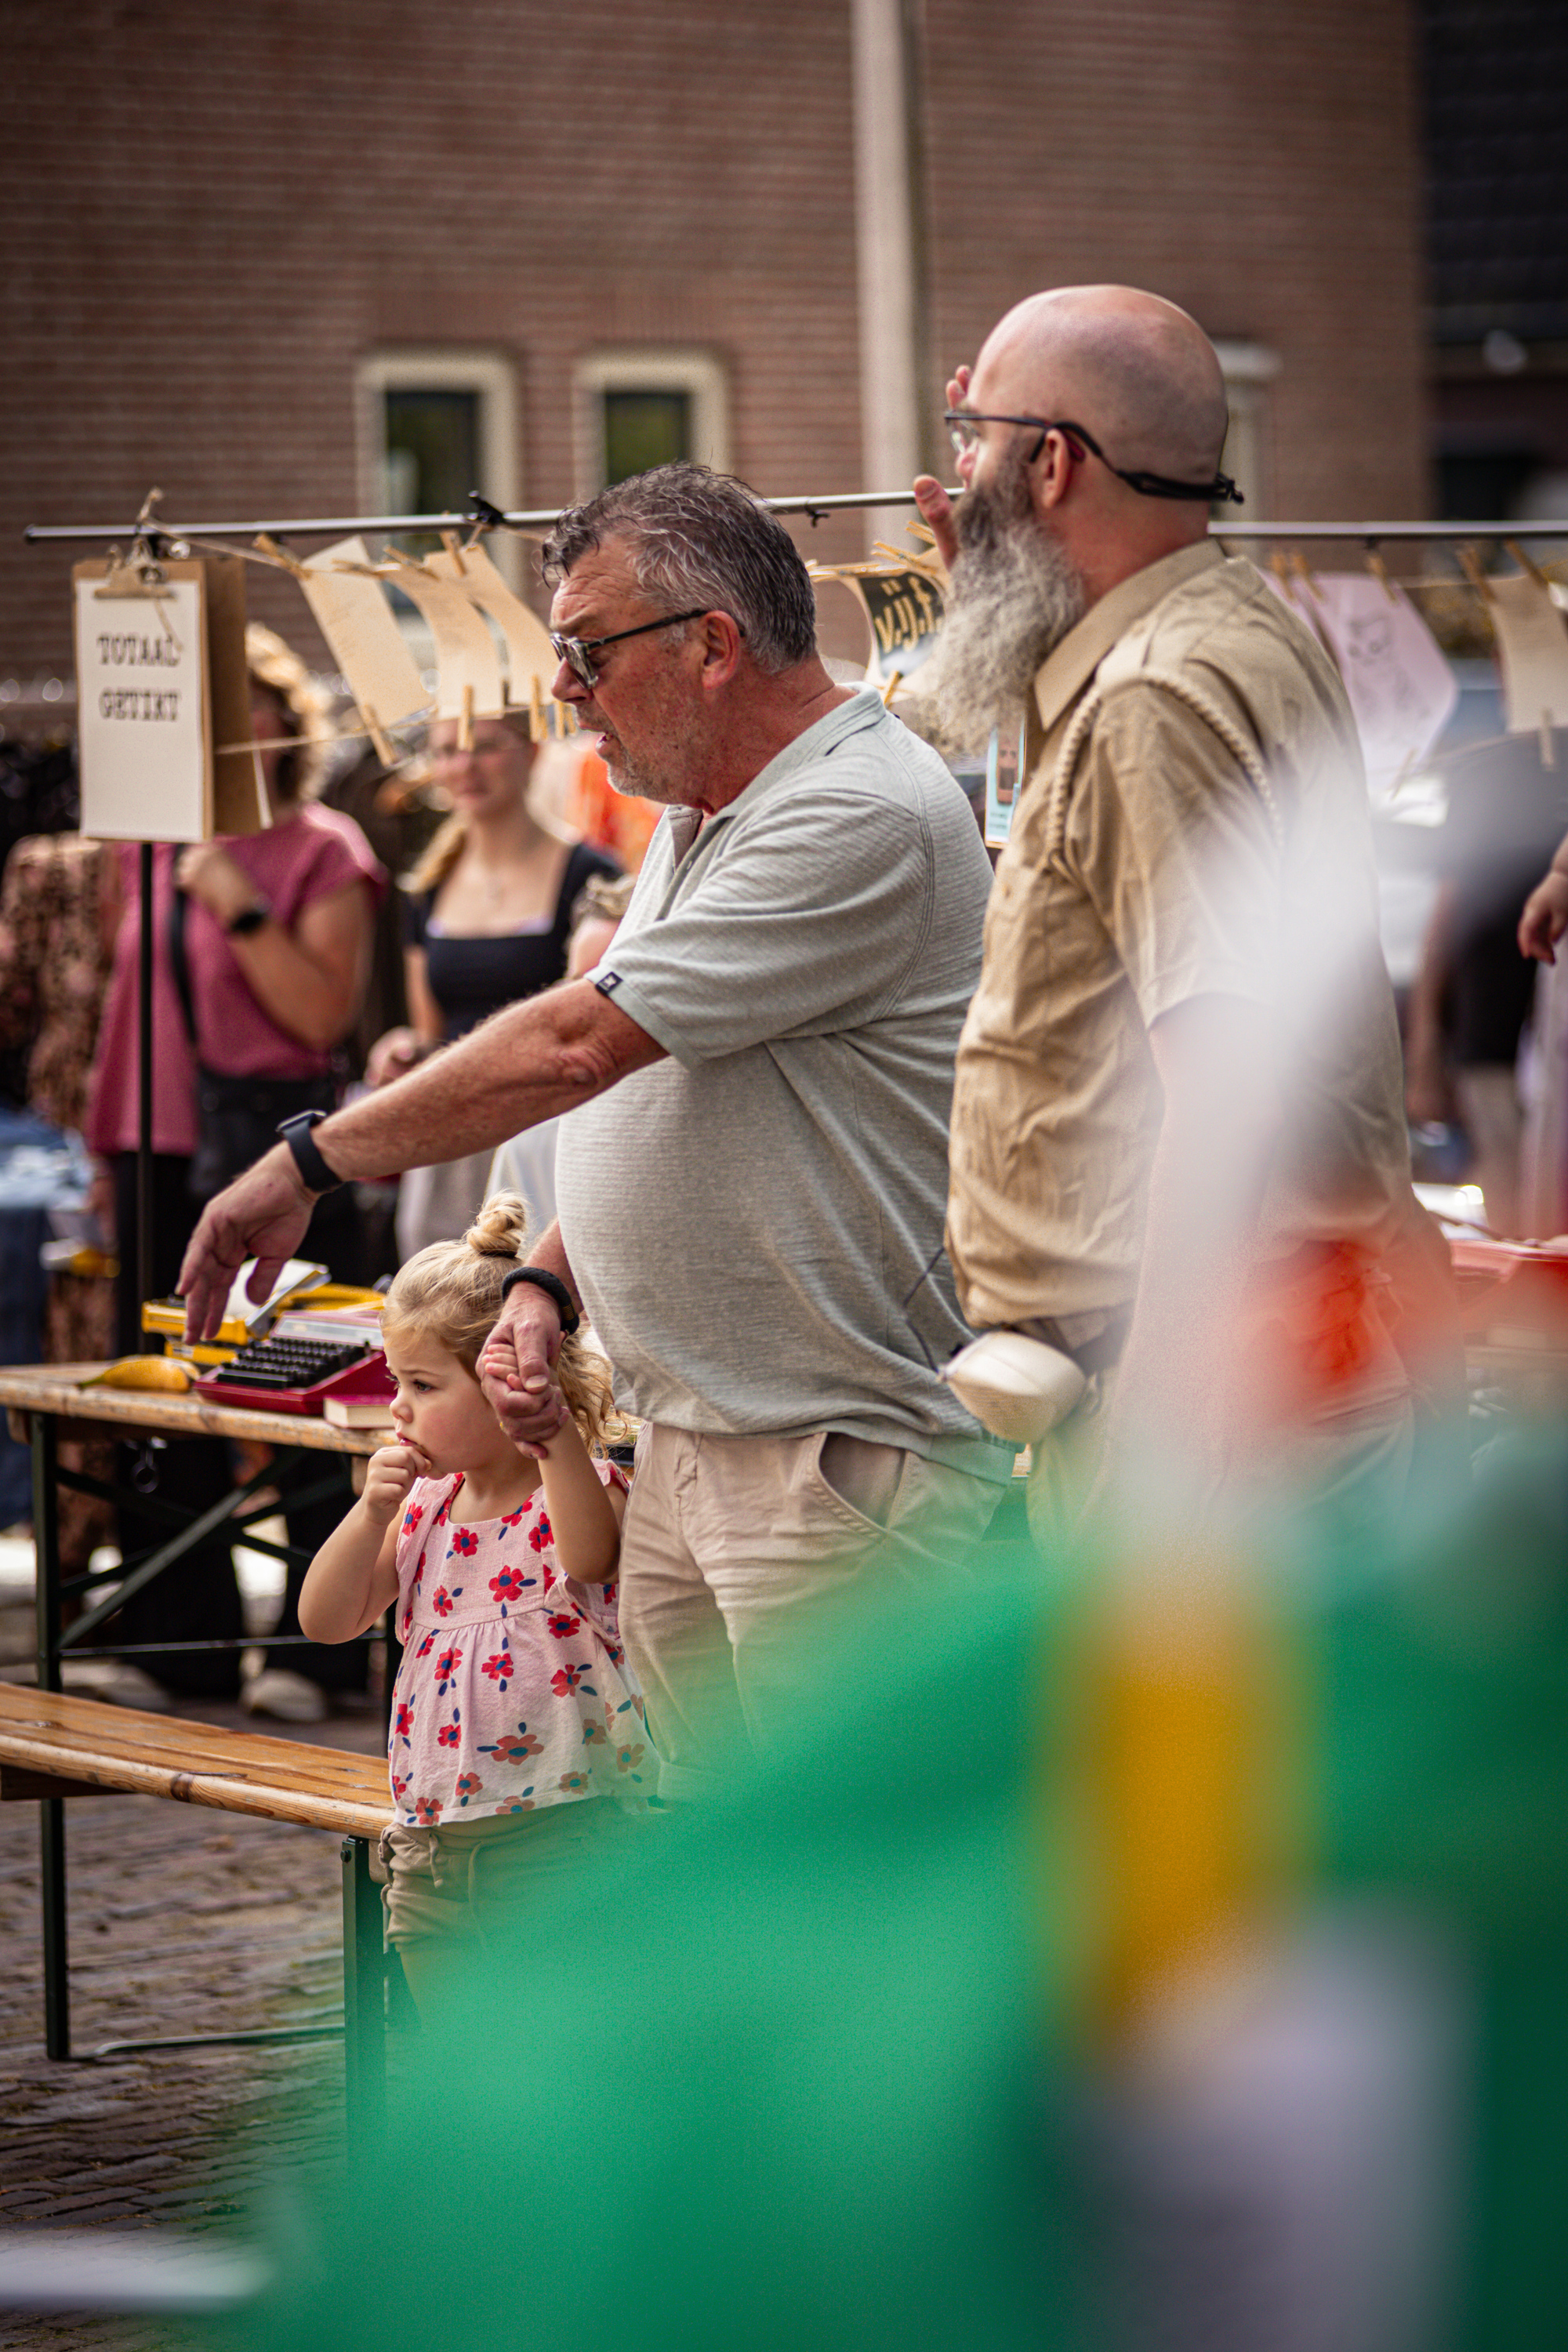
514	1691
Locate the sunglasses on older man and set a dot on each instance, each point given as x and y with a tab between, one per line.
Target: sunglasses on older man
578	652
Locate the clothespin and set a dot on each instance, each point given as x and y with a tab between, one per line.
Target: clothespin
483	517
267	545
1280	564
1303	572
1379	571
538	726
1525	564
891	688
372	725
1470	563
466	720
450	541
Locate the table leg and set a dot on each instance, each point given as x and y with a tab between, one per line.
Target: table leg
364	1997
51	1810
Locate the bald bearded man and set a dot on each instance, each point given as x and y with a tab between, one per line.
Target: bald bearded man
1179	1151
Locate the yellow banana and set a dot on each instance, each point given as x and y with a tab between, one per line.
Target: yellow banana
143	1372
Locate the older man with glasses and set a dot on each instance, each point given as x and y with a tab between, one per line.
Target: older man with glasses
753	1180
1179	1157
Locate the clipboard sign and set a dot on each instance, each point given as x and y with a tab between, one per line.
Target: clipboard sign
161	682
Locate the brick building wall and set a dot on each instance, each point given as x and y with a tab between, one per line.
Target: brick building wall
209	216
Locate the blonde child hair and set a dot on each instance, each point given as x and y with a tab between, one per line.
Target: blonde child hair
451	1293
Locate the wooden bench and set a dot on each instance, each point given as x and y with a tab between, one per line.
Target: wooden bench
54	1746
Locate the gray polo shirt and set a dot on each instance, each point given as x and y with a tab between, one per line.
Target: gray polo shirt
747	1220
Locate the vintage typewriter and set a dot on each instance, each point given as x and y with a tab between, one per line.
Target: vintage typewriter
302	1361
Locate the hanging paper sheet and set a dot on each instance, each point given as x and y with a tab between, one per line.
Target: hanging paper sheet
467	666
353	615
530	663
905	611
1532	647
1401	689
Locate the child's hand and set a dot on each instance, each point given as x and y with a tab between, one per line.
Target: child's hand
542	1397
391	1473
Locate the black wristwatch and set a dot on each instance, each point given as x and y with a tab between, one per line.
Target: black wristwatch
540	1278
313	1169
249	919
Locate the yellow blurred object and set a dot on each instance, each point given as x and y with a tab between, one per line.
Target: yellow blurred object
168	1315
142	1372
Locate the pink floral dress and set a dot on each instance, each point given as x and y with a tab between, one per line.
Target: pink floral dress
514	1691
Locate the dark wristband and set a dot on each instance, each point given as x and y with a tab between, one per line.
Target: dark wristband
249	919
540	1278
314	1169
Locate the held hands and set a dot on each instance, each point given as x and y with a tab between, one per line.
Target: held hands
208	873
1545	917
516	1371
936	507
387	1480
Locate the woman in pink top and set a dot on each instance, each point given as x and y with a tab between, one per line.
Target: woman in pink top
261	951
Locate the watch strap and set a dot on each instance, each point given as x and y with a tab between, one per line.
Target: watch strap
249	919
538	1277
314	1169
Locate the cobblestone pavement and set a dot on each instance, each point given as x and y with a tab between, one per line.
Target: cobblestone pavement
182	1920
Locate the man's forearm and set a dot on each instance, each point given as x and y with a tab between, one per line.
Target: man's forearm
527	1064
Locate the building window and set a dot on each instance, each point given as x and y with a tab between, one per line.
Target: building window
637	409
1250	369
432	426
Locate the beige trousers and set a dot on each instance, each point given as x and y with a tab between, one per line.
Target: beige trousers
734	1549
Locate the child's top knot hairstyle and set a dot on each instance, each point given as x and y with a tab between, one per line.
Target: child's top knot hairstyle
451	1293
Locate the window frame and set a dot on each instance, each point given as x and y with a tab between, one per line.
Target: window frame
1248	370
655	368
488	373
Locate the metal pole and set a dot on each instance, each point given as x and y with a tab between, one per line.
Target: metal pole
51	1810
835	502
144	1076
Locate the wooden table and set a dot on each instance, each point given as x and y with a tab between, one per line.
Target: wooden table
41	1399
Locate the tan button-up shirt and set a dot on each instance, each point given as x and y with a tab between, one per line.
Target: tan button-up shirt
1206	834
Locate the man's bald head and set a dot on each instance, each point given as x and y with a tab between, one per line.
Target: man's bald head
1132	369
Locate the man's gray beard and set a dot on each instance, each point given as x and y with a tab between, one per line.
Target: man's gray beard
1014	597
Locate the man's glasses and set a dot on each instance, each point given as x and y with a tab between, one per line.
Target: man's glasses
964	428
577	652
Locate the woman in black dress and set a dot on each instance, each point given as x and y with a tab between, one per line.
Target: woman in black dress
490	912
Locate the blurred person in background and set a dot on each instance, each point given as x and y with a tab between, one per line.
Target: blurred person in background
262	948
1544	1174
56	937
489	917
527	1163
1179	1153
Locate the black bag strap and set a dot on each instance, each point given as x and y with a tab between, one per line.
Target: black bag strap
181	961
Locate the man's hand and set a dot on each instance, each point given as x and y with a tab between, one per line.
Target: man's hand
262	1214
515	1368
1545	917
935	506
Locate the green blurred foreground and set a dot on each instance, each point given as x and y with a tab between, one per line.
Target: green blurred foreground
922	2038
